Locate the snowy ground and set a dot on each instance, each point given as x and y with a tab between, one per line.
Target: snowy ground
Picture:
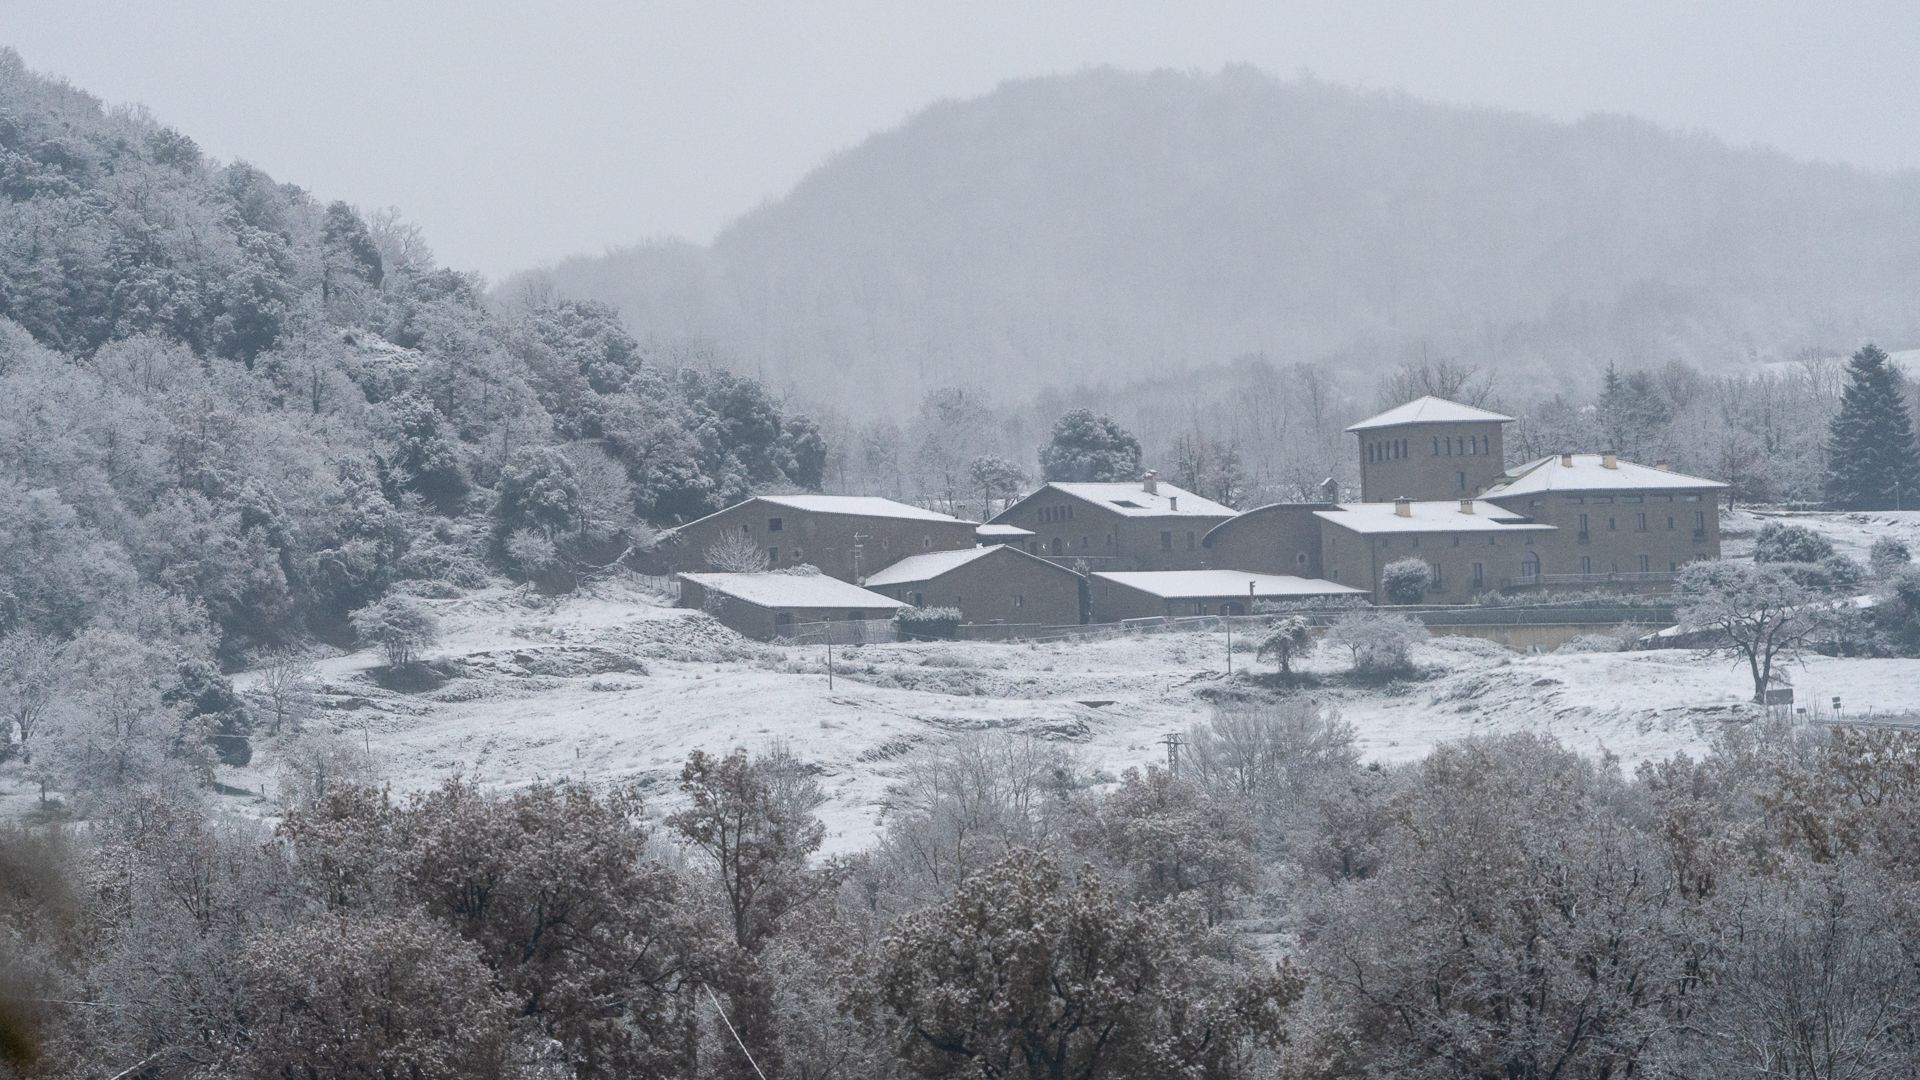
554	691
616	685
1852	534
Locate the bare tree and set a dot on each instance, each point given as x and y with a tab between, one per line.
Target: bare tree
1443	378
283	688
1754	612
737	553
33	670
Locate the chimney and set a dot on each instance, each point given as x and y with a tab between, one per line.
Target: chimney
1331	489
1466	506
1566	460
1173	502
1149	483
1663	466
1403	507
1609	459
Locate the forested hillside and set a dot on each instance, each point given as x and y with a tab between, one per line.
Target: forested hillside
223	390
1104	227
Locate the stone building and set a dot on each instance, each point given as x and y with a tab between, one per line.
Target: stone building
1148	525
846	536
767	606
1279	538
1430	448
1614	521
1174	593
1433	487
997	584
1470	546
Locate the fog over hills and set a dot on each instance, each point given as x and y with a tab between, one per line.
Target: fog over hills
1106	226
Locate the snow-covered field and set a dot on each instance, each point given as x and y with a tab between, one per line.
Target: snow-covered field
1852	534
614	685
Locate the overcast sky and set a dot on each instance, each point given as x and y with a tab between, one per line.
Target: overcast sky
519	132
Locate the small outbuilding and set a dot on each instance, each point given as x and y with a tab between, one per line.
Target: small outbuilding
997	584
1151	594
769	605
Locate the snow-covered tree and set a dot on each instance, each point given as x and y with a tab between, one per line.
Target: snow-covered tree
1873	462
1757	612
1023	973
1086	446
401	625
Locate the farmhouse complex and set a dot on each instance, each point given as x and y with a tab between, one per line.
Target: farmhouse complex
1433	487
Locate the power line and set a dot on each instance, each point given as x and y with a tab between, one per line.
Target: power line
736	1035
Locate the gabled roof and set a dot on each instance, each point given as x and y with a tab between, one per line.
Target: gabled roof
852	505
1006	531
771	590
1206	584
1429	410
1589	473
931	564
1132	499
928	565
1428	517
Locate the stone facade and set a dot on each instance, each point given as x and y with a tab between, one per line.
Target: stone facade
1430	460
1464	564
1623	532
1067	528
1280	538
1005	585
845	546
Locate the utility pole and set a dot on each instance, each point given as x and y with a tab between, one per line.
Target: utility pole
1173	752
829	657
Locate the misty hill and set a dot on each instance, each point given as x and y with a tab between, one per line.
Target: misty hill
1105	226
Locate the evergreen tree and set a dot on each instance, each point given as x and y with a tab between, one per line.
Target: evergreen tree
1089	447
1872	463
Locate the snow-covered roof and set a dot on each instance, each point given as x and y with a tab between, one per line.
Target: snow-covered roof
791	590
1132	499
1428	517
928	565
1428	410
861	506
1197	584
991	530
1589	473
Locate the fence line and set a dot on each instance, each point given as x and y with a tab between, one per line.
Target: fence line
879	631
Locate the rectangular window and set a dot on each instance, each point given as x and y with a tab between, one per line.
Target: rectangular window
1610	524
1019	600
1479	574
1669	521
1644	564
1641	518
1436	446
773	554
1439	580
1166	540
773	524
1189	540
1463	481
1586	564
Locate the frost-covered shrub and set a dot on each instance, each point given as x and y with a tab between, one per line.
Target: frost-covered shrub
1377	642
400	625
928	623
1780	543
1887	556
1591	643
1405	581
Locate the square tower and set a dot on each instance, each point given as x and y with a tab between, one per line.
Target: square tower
1430	448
